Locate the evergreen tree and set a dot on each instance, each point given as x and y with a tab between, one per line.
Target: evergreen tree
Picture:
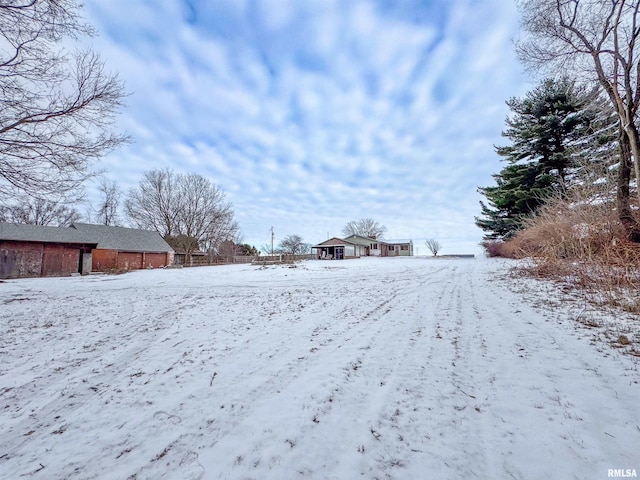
248	250
520	190
547	130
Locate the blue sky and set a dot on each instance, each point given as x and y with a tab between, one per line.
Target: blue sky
309	114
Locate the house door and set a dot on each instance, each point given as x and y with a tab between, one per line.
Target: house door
339	253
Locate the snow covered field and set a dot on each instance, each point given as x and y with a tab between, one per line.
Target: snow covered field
370	368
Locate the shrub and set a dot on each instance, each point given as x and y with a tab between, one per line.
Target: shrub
581	242
498	248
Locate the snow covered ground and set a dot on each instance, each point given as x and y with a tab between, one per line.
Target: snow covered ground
371	368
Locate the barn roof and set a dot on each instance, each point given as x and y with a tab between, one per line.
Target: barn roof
107	237
123	239
41	233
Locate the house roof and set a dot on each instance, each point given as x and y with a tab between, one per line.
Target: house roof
360	240
400	241
45	234
123	239
334	242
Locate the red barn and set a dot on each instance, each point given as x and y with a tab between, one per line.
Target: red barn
121	248
40	251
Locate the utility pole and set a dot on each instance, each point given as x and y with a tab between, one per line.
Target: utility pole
272	235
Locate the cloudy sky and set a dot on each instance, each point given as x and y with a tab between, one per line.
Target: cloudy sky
312	113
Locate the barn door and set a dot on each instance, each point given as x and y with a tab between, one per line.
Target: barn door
9	264
52	262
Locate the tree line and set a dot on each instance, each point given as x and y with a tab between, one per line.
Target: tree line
57	118
579	126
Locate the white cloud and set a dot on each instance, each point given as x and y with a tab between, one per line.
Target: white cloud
310	114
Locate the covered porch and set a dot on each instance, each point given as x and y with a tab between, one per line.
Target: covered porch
336	249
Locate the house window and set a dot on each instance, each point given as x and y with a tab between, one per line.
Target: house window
374	246
404	247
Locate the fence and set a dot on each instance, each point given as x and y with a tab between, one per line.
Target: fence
281	258
206	260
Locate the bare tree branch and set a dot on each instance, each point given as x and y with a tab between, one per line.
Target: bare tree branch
186	209
294	245
597	41
57	109
433	245
366	227
38	211
107	212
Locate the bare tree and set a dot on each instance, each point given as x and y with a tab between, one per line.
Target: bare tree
366	227
233	247
107	211
154	204
204	212
598	41
56	109
223	227
38	211
184	244
433	245
185	207
265	249
228	249
294	245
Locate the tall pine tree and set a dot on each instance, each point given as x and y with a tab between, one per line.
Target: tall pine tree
520	190
547	130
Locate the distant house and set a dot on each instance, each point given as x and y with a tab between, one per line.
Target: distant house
120	248
400	248
355	246
41	251
373	247
337	249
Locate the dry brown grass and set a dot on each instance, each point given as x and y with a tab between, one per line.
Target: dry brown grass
498	248
582	244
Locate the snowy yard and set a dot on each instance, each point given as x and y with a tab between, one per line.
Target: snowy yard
371	368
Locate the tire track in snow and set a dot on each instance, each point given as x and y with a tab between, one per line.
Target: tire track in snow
536	395
354	331
431	416
397	369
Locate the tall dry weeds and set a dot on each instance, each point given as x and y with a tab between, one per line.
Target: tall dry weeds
579	240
